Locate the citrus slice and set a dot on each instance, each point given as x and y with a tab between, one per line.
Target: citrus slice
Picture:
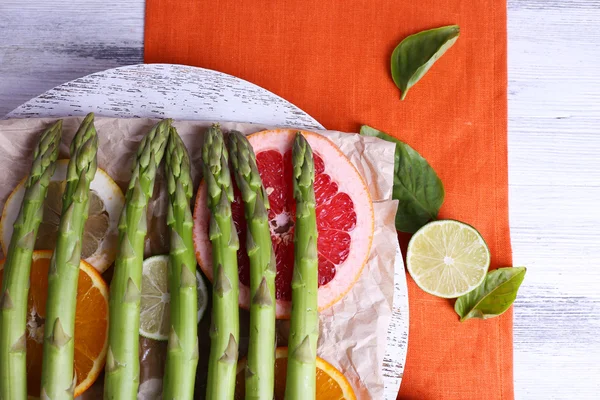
447	258
331	383
100	232
154	306
91	323
344	218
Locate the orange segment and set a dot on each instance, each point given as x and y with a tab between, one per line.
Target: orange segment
91	323
331	384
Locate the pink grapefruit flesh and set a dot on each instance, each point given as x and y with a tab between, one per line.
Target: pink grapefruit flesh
344	218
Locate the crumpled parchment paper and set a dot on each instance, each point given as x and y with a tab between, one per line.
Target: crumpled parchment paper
352	332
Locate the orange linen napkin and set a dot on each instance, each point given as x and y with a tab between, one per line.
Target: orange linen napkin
331	58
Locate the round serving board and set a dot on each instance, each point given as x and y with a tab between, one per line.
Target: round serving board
190	93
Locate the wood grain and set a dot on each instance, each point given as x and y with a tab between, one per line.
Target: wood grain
44	43
554	140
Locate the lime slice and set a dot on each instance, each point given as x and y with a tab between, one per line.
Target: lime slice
447	258
154	307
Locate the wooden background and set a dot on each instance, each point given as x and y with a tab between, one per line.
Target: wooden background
554	156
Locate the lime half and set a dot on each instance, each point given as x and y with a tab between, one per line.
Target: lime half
154	307
447	258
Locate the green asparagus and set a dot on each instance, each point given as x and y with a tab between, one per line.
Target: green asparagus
304	321
261	357
58	381
182	353
122	363
15	284
224	331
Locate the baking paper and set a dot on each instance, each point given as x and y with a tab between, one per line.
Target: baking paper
352	332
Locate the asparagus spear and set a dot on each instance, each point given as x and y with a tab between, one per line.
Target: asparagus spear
304	323
122	363
261	357
58	381
224	331
182	353
15	285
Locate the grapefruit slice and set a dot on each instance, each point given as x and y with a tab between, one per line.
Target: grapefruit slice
91	323
344	218
331	383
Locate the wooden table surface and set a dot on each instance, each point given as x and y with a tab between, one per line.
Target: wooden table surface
554	162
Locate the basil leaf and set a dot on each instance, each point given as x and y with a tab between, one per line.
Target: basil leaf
493	297
417	187
413	57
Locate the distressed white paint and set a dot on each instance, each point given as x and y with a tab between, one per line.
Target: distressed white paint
165	90
554	142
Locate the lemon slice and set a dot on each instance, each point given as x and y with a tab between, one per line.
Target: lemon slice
154	309
447	258
100	232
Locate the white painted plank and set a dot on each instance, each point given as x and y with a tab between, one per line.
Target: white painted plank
44	43
554	137
554	142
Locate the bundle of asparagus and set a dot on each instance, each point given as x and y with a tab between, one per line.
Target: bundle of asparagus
122	365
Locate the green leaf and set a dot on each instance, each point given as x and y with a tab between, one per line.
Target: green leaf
493	297
417	187
413	57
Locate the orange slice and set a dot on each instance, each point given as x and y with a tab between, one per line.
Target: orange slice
344	218
91	323
331	383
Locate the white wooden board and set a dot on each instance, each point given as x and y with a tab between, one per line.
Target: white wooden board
554	175
554	140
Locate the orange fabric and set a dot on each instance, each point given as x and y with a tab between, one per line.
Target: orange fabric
331	59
